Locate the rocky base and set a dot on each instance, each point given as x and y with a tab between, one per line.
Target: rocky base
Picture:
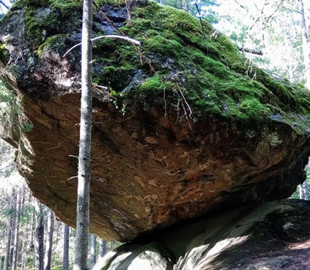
273	235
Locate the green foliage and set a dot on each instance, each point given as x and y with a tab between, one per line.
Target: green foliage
9	108
10	113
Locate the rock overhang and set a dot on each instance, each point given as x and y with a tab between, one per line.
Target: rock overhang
179	130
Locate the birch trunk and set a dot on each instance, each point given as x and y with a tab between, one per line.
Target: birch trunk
84	174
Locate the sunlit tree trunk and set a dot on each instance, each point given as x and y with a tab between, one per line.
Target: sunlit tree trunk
65	254
49	242
93	244
102	248
84	174
39	236
301	192
305	190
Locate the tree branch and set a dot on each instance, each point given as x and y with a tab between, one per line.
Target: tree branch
131	40
249	50
2	3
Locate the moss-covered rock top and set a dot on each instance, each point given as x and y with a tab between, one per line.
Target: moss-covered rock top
183	64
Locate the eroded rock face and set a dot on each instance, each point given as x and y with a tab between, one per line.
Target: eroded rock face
274	235
152	162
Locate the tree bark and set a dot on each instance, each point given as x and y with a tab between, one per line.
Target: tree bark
65	256
305	190
39	236
49	242
102	248
93	241
301	192
8	244
16	231
84	174
305	43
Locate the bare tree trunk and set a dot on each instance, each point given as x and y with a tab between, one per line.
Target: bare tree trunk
39	236
102	248
8	244
65	256
84	173
305	190
16	231
93	241
49	242
305	43
301	192
33	224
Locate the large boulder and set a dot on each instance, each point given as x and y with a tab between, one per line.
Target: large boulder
182	125
274	235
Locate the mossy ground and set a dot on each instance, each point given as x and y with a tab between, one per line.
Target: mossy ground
191	62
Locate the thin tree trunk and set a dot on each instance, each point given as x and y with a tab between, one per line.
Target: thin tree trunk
33	225
39	236
305	43
84	173
16	232
301	192
93	258
305	190
102	248
8	244
49	242
65	256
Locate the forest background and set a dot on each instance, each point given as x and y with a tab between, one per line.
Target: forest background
274	35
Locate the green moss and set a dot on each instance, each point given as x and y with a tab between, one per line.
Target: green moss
36	27
110	2
65	5
51	43
251	107
152	84
44	18
59	4
186	53
163	46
